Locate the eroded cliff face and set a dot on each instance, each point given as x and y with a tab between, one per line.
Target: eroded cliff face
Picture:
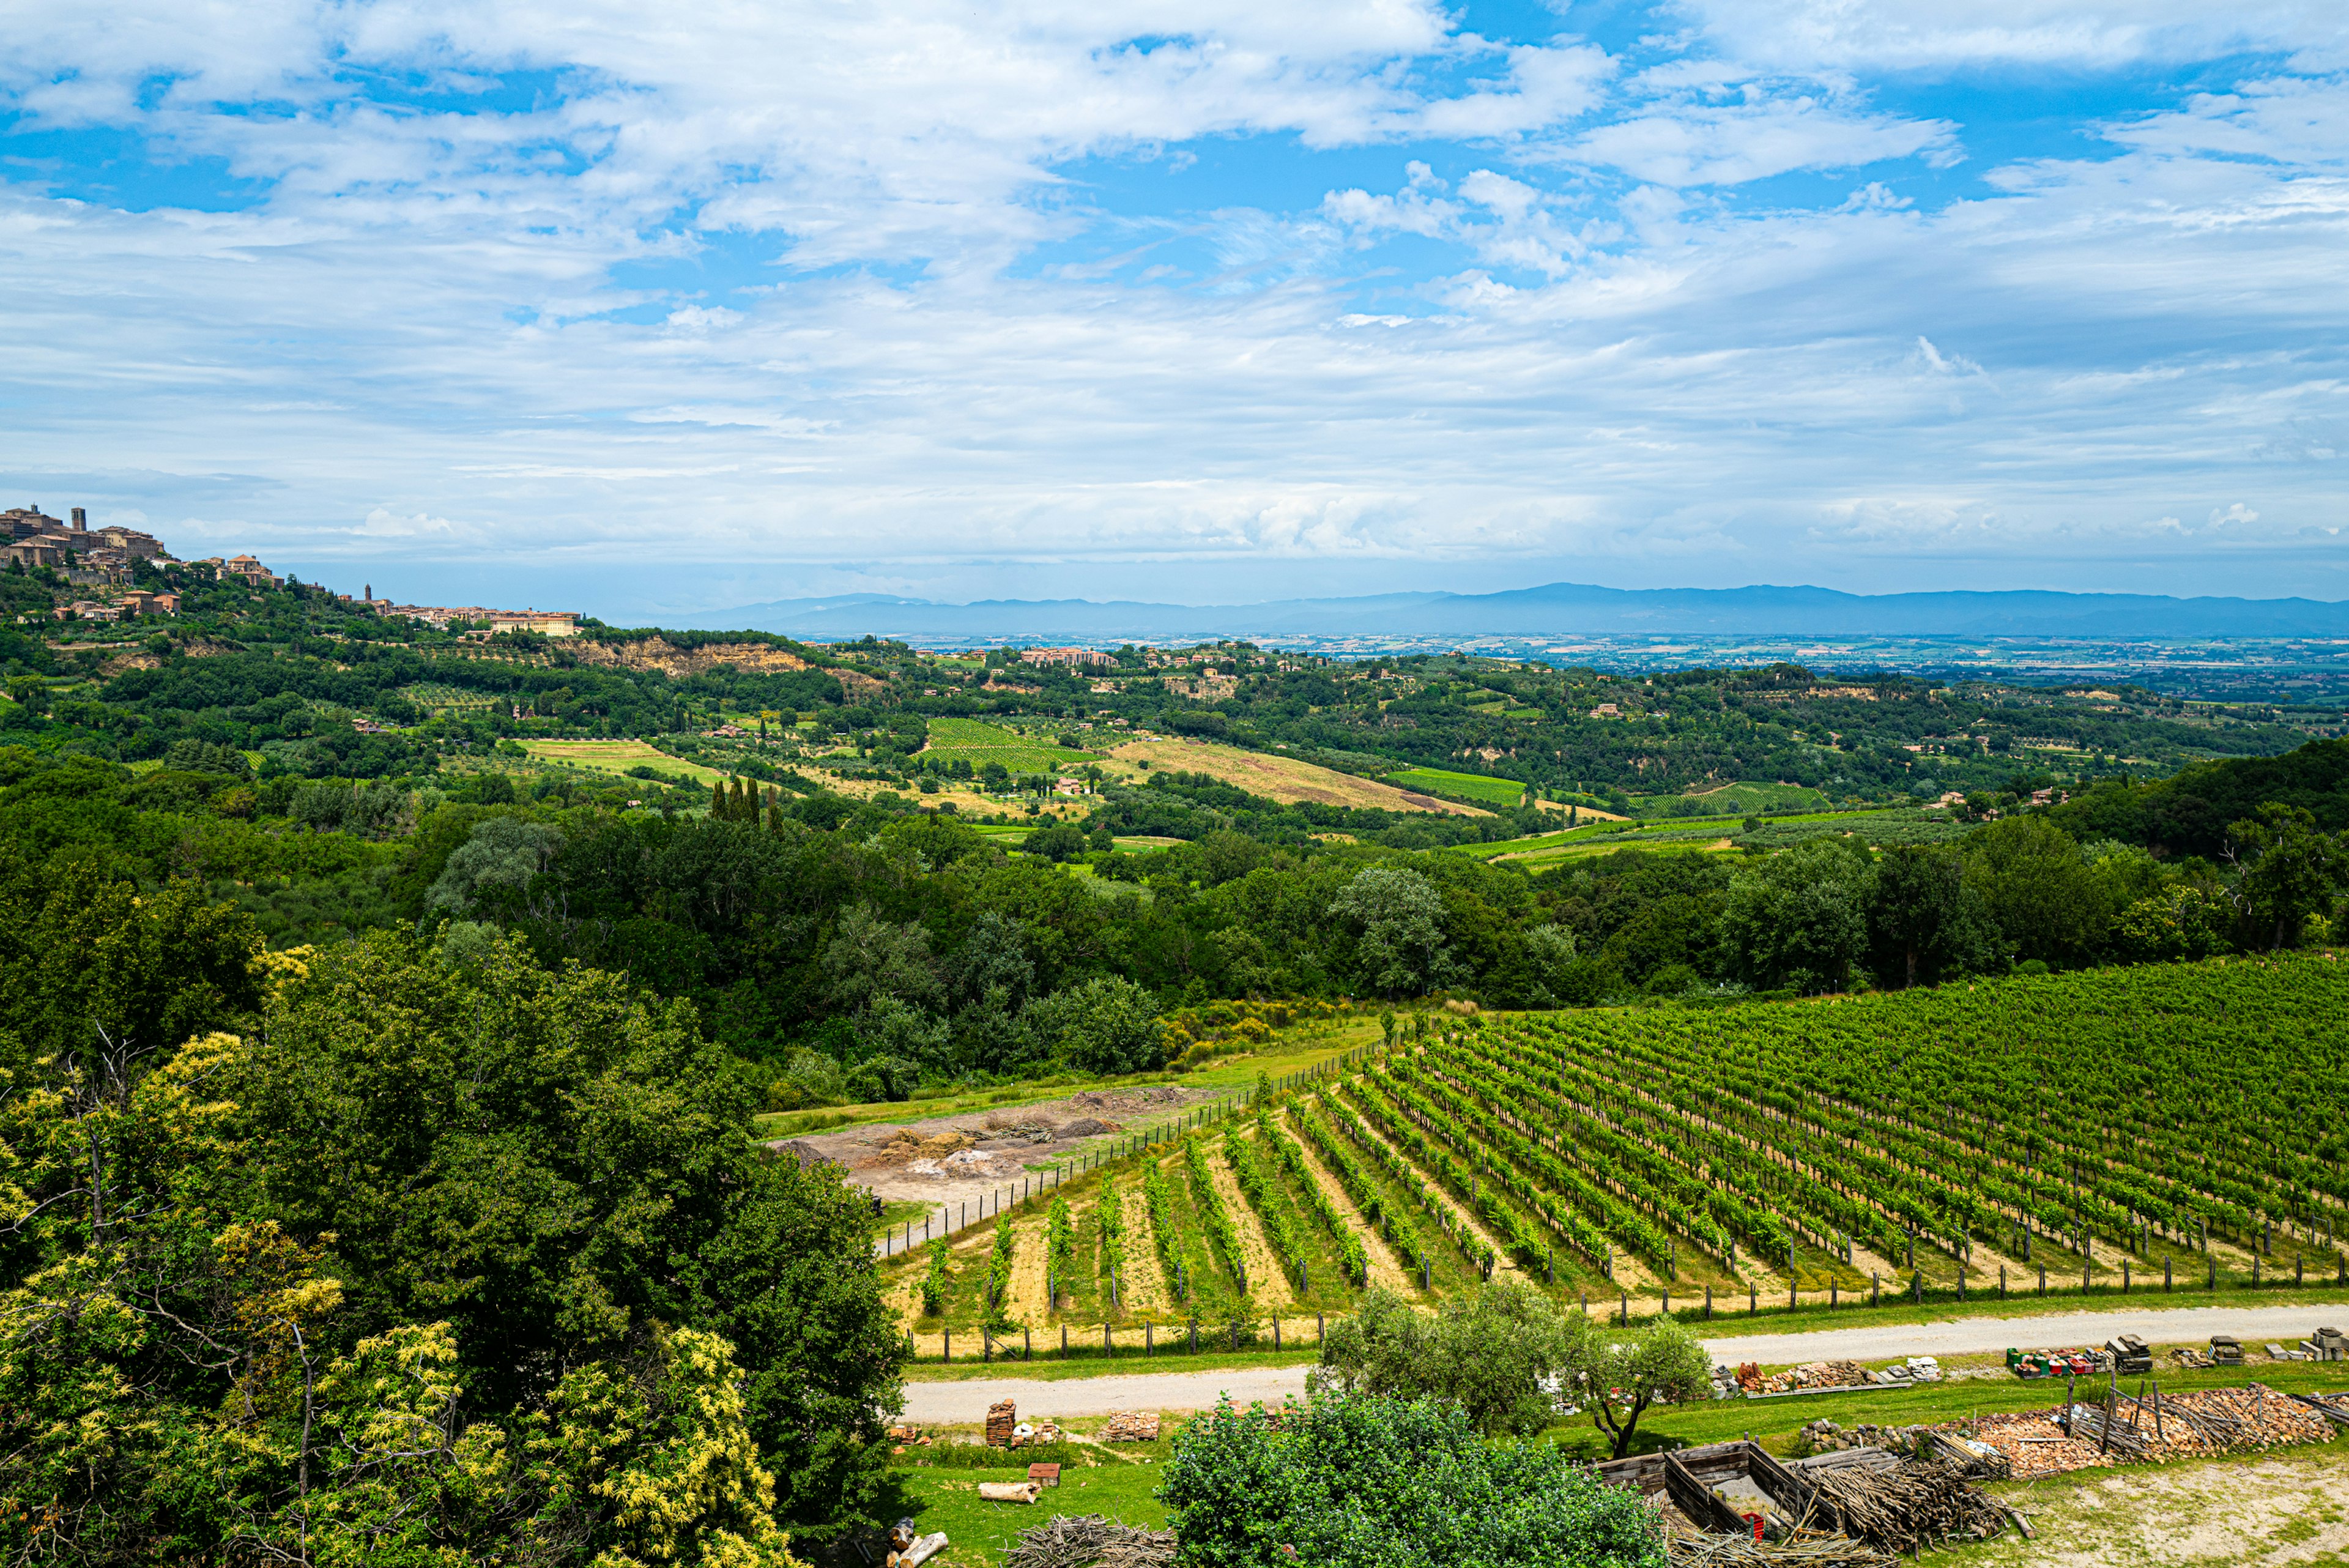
658	653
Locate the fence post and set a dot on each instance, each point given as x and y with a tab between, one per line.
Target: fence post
1708	1303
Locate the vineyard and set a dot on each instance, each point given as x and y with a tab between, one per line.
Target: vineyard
2176	1124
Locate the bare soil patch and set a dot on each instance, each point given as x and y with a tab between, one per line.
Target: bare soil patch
950	1160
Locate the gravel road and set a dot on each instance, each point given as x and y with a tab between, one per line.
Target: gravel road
967	1401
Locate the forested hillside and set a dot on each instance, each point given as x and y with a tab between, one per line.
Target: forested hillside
384	1013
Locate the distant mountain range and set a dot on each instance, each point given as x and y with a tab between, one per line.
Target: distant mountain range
1554	610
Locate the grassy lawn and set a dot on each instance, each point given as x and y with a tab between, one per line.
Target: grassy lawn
1470	787
947	1498
616	757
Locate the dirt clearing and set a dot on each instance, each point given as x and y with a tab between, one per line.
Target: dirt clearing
947	1161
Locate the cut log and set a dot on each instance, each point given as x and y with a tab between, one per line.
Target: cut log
1007	1491
922	1551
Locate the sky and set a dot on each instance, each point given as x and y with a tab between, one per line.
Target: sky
643	310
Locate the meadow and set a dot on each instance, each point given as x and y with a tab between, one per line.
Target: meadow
1479	787
618	757
1743	798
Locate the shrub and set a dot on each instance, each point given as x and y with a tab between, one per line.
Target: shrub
1105	1025
1352	1481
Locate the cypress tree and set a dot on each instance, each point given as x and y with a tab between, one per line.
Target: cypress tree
718	800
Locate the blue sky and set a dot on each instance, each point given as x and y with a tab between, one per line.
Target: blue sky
650	311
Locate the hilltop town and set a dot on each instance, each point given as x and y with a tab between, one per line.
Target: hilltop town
129	574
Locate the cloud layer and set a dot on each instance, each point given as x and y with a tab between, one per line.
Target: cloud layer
1218	299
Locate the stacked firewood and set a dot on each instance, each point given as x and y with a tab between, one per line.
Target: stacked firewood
1001	1416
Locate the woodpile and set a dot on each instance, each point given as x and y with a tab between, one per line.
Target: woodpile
1130	1427
1000	1419
1090	1541
1903	1508
1684	1550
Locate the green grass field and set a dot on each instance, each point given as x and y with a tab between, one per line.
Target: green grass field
980	743
616	757
1477	787
1741	799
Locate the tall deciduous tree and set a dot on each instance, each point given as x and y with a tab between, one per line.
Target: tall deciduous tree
558	1167
1498	1356
2291	869
1800	918
2038	887
1926	923
1397	917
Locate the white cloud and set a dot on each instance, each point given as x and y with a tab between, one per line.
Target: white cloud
1701	144
382	523
455	328
1900	35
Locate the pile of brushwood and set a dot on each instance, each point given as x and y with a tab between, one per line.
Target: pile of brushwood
1806	1550
1904	1507
1092	1542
